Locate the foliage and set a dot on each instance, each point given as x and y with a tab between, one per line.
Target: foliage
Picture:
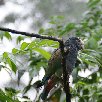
86	89
9	95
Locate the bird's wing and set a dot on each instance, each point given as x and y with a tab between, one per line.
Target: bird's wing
53	64
55	61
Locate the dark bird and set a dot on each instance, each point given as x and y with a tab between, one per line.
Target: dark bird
54	70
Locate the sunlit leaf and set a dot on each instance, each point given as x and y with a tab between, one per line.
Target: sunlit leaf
14	50
5	55
43	52
24	45
32	44
50	43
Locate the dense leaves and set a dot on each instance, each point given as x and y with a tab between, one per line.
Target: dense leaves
9	95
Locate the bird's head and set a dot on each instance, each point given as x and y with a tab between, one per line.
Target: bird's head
77	42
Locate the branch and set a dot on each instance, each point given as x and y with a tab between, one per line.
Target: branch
30	34
65	75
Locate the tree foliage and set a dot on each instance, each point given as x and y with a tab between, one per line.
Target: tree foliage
34	56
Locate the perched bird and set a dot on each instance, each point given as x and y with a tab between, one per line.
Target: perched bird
54	70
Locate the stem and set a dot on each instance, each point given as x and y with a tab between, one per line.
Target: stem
65	75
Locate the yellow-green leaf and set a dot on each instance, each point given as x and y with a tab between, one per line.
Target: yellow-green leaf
44	53
24	45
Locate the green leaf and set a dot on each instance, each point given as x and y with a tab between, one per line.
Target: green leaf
19	39
68	28
24	45
52	22
88	58
5	55
3	97
10	91
32	44
91	43
85	91
99	62
42	43
14	51
41	31
60	17
12	65
93	3
8	36
56	19
10	62
48	43
44	53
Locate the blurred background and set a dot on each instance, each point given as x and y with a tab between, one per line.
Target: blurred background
30	15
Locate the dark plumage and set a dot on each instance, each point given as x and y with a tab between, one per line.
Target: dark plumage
54	70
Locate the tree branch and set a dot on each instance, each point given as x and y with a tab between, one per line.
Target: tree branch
65	73
30	34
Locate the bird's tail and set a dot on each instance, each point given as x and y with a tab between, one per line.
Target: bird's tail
44	94
48	86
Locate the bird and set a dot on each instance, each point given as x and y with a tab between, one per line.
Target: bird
54	70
